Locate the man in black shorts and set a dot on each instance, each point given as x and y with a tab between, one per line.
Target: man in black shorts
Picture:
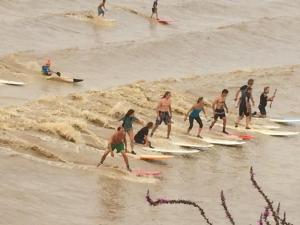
219	106
142	136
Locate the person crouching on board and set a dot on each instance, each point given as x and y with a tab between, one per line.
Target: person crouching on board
116	142
141	136
219	106
164	113
46	69
193	114
154	9
245	107
127	124
101	8
264	99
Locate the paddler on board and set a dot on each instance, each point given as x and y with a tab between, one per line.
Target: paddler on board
116	142
154	9
164	113
101	8
264	99
219	106
46	70
194	114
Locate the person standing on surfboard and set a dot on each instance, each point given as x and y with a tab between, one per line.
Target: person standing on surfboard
128	121
154	9
264	99
243	89
245	107
141	137
193	114
116	142
101	8
164	113
219	106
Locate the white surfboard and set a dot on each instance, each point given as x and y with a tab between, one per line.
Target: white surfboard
191	145
278	133
285	120
171	151
9	82
223	142
64	78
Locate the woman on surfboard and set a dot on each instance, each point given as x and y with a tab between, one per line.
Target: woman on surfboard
154	9
128	121
164	113
193	114
141	137
116	142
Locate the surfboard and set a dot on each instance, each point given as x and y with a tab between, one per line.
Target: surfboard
9	82
170	151
143	173
190	145
64	79
150	157
245	137
278	133
109	20
283	120
165	22
223	142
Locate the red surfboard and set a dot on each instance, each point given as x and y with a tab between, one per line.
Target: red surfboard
145	173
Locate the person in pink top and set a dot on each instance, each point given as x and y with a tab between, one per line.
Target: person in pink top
164	113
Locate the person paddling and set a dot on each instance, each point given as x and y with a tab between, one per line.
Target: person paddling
264	99
154	9
164	113
101	8
193	114
219	106
46	70
116	142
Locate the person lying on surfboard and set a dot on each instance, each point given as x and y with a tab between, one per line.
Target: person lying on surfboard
245	107
116	142
101	8
128	121
154	9
219	106
193	114
264	99
164	113
141	137
46	69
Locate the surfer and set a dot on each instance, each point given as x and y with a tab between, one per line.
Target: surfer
154	9
243	89
128	120
46	69
101	8
164	113
245	107
142	136
219	106
193	114
264	98
117	142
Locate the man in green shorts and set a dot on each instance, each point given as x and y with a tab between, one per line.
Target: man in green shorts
117	141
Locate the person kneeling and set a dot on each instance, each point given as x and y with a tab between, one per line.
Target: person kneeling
142	136
117	141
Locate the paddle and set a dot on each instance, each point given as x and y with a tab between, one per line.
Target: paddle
273	97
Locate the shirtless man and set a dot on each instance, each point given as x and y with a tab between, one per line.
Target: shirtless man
101	8
117	141
164	113
219	106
